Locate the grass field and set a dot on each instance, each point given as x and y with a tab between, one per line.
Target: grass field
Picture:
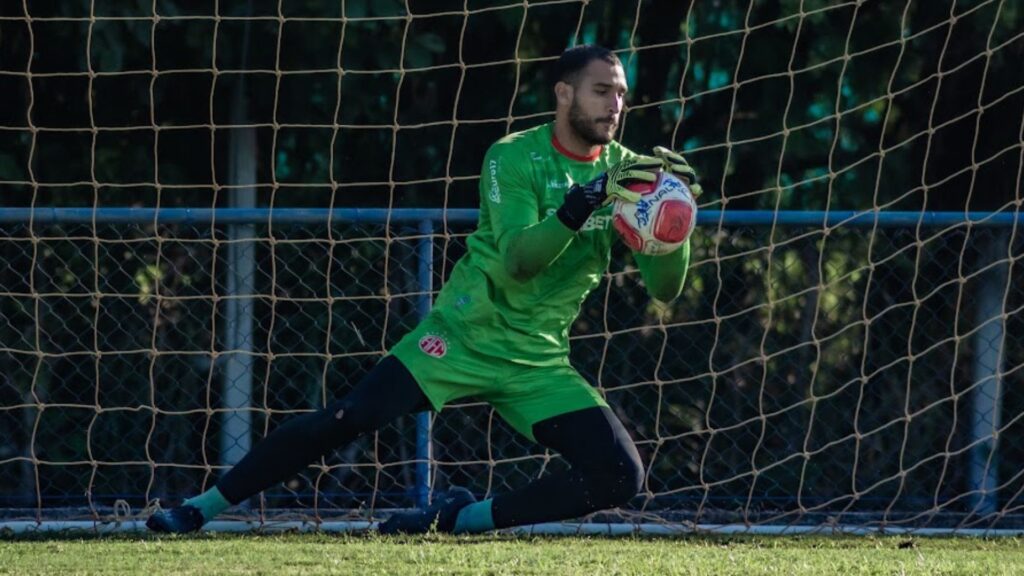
365	554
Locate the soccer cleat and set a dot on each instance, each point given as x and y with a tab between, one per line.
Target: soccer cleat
440	515
180	520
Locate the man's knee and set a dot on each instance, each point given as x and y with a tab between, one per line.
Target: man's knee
628	476
619	477
336	424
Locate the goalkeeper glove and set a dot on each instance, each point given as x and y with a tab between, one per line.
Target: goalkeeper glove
675	163
582	199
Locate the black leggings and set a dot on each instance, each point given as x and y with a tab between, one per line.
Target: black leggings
387	392
606	469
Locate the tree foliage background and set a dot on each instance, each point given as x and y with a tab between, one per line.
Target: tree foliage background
842	335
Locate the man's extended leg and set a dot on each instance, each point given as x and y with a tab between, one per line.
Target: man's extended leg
387	392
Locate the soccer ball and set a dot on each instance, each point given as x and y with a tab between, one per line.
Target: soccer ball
661	220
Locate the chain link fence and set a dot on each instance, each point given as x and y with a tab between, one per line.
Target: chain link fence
806	375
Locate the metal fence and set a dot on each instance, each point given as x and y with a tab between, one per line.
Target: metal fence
818	368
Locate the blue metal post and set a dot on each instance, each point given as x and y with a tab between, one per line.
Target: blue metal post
425	275
240	306
987	374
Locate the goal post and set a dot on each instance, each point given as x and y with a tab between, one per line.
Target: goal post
213	218
693	423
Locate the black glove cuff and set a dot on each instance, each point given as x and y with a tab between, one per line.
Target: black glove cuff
580	202
574	217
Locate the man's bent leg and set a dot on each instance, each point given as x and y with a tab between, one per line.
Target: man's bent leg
606	472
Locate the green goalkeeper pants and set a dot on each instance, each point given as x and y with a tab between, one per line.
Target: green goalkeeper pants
446	370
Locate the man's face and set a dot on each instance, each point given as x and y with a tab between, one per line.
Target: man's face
597	102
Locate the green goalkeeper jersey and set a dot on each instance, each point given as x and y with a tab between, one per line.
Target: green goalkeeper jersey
525	178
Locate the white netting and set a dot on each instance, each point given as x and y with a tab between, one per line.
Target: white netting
849	371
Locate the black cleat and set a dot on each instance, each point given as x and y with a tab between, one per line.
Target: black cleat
440	515
180	520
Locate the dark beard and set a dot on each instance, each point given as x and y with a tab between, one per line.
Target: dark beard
586	128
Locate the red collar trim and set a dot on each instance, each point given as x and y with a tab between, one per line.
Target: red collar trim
565	152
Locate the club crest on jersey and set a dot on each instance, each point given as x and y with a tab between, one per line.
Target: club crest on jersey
433	345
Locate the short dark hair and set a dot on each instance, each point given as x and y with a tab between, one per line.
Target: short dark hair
575	59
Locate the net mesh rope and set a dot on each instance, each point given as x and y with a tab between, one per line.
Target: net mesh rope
809	374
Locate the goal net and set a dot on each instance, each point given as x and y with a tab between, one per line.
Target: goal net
216	216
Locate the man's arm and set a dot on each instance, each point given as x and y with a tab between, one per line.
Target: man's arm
531	249
529	246
664	275
526	244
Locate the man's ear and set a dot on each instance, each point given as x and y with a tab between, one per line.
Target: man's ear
564	93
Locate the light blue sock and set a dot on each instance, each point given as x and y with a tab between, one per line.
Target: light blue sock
210	503
475	518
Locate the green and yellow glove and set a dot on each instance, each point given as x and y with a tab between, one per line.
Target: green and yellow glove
630	171
675	163
582	199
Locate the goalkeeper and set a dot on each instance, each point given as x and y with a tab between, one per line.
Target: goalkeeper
500	328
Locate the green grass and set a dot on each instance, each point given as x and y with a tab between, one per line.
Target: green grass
366	554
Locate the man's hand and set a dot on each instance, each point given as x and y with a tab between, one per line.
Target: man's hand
630	171
582	199
676	164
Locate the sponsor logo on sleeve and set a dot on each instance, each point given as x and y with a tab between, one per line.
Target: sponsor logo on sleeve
495	192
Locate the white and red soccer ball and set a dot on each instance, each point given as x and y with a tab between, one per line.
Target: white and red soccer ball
661	220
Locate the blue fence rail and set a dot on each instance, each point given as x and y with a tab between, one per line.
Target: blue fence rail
862	219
